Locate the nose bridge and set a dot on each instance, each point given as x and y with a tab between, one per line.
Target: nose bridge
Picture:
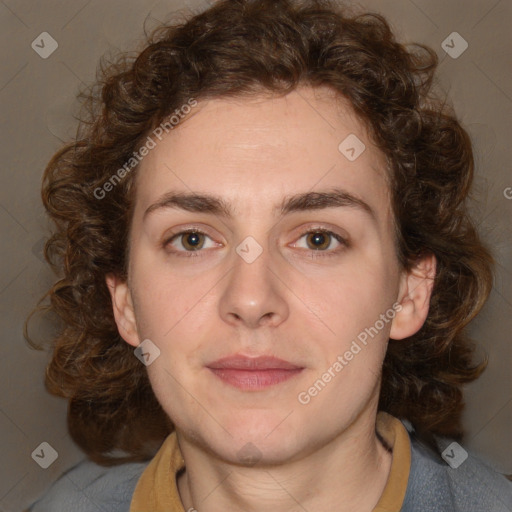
252	294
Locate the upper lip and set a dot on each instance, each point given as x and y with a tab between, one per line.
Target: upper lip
239	362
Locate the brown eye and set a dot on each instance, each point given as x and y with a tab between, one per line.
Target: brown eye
187	243
322	242
192	241
318	240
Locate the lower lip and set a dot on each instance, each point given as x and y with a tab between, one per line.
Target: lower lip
254	379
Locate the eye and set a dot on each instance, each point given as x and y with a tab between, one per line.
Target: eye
190	240
321	240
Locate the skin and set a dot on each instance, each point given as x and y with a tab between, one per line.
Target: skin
292	302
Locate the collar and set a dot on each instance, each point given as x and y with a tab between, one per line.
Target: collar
157	488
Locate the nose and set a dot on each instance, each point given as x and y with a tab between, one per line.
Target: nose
254	294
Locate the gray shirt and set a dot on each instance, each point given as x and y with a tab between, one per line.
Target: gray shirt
433	486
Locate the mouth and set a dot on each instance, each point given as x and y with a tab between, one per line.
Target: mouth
253	373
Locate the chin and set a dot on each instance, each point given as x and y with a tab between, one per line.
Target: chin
262	435
247	452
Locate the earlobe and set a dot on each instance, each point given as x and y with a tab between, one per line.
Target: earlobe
414	297
122	305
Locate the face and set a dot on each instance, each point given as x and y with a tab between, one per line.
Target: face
293	260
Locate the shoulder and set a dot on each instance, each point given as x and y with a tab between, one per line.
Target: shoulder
469	484
88	487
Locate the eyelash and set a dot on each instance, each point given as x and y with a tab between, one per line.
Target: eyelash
314	253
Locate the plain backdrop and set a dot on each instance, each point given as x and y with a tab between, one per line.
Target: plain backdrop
37	99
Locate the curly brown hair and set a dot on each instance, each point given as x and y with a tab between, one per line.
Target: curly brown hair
233	49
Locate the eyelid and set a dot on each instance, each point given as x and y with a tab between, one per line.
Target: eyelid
180	232
343	241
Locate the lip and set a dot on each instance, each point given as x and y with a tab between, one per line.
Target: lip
253	373
239	362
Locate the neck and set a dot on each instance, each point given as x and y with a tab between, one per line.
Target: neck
348	473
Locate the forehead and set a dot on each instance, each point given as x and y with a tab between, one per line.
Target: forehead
255	151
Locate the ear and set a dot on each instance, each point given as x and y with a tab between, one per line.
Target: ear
122	305
414	295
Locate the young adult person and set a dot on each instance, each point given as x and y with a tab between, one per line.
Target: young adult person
268	268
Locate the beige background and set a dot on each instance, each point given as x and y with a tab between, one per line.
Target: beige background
37	103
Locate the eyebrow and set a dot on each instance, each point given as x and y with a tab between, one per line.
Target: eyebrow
307	201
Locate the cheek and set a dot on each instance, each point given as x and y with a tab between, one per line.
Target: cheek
165	298
352	298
